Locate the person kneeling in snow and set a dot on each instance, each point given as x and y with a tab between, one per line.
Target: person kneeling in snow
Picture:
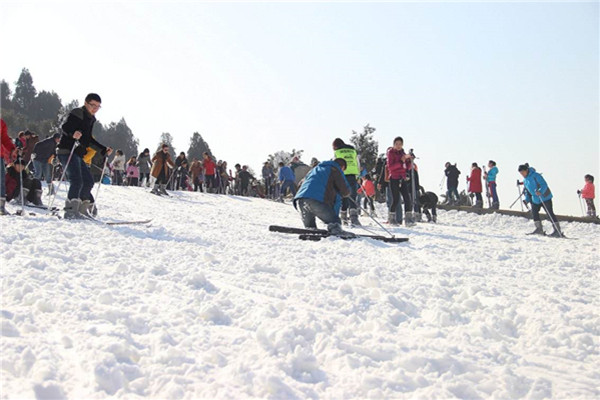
321	196
429	201
32	188
539	195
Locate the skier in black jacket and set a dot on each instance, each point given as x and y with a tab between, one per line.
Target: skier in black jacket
452	173
78	130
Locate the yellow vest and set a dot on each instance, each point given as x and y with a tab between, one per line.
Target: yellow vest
350	156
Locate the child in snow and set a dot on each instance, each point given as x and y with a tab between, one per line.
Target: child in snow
367	187
429	201
588	193
539	195
133	172
16	175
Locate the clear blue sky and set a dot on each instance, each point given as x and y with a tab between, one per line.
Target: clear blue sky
461	82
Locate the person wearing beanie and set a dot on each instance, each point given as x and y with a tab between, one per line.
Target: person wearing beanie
539	195
74	142
349	204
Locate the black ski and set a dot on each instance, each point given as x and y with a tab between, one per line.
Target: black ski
318	234
42	207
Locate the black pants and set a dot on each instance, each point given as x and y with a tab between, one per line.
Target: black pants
400	186
346	203
145	175
478	197
535	210
369	201
427	214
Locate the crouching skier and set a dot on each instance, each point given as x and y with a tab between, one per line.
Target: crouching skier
321	196
539	195
429	201
72	148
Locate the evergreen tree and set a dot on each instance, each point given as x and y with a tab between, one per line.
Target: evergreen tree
166	138
197	147
118	136
47	106
25	93
366	147
284	156
5	95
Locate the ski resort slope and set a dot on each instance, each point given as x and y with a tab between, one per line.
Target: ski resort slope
205	302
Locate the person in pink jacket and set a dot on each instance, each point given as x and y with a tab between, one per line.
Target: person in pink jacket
133	172
399	164
588	193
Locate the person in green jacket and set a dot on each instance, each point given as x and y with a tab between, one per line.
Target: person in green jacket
349	205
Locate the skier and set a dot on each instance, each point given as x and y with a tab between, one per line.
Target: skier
286	177
539	195
429	201
490	178
8	152
78	129
161	162
474	184
320	196
452	174
209	173
268	175
133	172
398	165
118	168
588	193
16	175
367	187
144	165
349	154
197	178
45	151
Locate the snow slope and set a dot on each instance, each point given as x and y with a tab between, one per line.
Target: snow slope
206	303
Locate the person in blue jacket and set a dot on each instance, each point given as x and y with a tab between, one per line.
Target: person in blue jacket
320	196
287	179
539	195
490	178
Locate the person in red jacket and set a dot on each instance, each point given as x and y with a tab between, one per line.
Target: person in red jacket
474	184
398	165
367	187
209	172
8	152
16	176
588	194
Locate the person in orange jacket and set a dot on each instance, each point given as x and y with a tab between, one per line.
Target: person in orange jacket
588	193
367	187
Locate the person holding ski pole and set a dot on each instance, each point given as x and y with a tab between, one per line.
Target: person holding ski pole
72	148
8	152
539	195
490	177
474	184
320	196
349	154
588	193
160	169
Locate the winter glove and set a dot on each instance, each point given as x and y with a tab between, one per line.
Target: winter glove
579	192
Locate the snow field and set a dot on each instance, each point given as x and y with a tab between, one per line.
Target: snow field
207	303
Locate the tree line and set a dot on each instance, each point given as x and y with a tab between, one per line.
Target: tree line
43	112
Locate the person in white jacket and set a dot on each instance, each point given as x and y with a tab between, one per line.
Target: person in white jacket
118	167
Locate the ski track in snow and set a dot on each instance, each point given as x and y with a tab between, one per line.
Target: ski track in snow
205	302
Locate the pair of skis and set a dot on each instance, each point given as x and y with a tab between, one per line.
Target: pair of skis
318	234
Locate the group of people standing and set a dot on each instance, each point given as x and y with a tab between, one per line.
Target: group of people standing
474	184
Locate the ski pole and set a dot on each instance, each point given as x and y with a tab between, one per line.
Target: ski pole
513	203
21	212
550	218
100	183
63	174
519	190
377	222
580	203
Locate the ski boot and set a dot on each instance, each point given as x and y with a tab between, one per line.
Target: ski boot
24	197
51	189
85	209
344	217
354	217
163	189
495	206
409	219
538	228
3	206
37	200
392	219
155	190
72	209
335	229
557	232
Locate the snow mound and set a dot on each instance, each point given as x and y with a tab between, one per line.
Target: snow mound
205	302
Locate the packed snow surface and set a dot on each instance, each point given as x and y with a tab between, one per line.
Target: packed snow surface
205	302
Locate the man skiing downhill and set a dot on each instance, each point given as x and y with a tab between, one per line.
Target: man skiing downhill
321	196
72	148
539	195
